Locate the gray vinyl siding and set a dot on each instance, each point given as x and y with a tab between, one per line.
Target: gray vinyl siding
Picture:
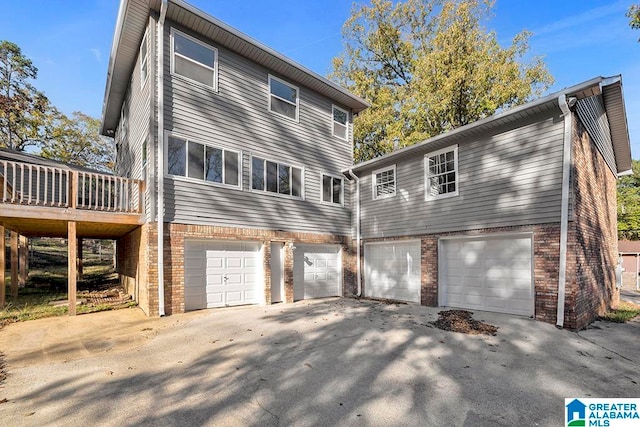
509	178
594	118
135	127
236	117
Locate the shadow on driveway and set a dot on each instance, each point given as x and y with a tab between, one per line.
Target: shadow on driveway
321	362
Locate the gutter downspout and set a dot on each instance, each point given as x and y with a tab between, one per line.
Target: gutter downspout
565	107
160	159
359	273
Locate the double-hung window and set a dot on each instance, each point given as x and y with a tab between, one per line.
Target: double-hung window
332	189
384	182
441	173
144	60
340	123
204	162
275	177
194	59
283	98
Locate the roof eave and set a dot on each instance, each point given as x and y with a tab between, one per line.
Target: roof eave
616	114
509	115
114	45
114	95
363	104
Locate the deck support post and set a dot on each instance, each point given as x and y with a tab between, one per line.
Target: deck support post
71	264
3	251
79	266
14	263
23	255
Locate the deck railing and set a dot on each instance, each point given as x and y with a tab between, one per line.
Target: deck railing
39	185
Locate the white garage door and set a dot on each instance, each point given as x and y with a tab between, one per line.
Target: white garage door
392	270
316	271
218	274
492	274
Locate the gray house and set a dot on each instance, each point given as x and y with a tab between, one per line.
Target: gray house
242	151
515	213
251	195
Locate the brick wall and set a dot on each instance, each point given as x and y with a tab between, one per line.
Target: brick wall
176	234
592	289
131	265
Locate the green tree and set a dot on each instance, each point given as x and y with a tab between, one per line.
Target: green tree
23	109
429	66
634	17
629	205
77	140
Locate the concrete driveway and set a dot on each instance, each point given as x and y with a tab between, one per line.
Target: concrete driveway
324	362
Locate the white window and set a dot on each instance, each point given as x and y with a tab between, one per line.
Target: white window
275	177
340	123
204	162
441	173
144	60
283	98
332	189
194	59
384	182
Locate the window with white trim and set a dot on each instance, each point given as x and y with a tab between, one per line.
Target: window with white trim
332	189
144	60
441	173
340	123
283	98
384	182
201	161
275	177
194	59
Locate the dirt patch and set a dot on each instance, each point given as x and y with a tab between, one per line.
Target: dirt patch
113	296
109	297
461	321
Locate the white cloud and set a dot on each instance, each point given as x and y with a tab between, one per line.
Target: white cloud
96	52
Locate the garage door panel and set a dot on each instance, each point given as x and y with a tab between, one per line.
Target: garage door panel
230	276
214	298
392	270
496	304
317	271
492	273
213	261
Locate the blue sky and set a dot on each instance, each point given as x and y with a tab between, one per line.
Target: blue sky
69	40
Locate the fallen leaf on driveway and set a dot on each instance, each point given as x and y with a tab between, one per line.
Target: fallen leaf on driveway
461	321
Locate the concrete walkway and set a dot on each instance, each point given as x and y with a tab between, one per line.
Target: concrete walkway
324	362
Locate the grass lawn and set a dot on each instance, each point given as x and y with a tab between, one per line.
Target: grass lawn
47	282
625	311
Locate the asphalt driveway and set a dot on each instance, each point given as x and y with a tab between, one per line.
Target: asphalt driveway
324	362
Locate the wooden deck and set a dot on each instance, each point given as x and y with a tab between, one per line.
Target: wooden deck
47	201
39	201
